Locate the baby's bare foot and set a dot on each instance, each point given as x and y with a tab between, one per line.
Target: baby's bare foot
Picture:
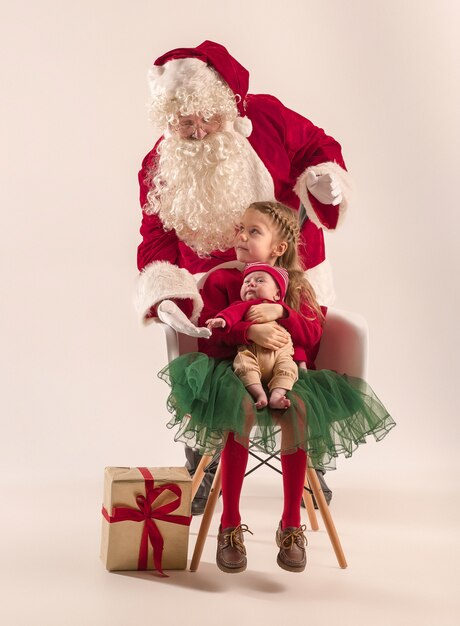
261	402
278	399
259	395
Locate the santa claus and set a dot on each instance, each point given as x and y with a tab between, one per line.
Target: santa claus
221	149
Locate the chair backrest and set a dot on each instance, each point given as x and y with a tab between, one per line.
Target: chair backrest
345	343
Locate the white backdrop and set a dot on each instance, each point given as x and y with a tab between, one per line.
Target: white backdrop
78	372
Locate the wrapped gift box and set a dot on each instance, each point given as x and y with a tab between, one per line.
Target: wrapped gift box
146	518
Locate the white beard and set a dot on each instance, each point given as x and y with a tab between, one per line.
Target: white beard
201	188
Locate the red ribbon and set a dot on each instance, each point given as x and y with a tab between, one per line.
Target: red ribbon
147	513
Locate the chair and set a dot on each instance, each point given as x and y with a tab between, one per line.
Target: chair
344	348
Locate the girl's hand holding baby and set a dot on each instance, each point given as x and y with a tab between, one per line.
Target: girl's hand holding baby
270	336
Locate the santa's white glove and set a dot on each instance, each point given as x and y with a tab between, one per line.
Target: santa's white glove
324	187
170	314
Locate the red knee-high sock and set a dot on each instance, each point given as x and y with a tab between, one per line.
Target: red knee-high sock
294	467
233	460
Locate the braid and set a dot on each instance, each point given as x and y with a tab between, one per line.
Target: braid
287	226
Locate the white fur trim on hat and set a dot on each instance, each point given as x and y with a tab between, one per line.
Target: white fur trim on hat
337	172
163	281
180	75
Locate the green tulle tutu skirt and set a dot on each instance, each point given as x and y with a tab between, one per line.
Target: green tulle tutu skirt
330	414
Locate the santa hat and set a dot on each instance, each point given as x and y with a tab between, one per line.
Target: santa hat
279	274
186	70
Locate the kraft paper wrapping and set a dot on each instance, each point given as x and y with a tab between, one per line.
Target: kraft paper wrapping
121	540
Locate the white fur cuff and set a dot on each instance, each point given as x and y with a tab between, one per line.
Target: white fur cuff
163	281
343	178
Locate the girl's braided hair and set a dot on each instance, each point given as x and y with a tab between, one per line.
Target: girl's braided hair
287	226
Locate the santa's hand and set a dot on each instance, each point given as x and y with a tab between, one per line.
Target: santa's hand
170	314
324	187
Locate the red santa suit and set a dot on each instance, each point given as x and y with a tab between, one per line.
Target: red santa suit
285	146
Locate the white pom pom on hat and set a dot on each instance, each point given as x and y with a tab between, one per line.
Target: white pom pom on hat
243	125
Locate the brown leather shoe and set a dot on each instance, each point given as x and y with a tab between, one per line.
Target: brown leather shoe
291	542
231	553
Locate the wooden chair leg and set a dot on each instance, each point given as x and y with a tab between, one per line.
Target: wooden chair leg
327	517
308	501
206	521
199	473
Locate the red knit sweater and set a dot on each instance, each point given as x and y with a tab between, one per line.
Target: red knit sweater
221	295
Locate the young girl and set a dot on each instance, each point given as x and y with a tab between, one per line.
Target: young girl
329	414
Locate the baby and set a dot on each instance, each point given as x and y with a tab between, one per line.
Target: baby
253	364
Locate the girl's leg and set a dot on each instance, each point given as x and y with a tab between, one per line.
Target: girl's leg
294	466
234	459
231	553
290	537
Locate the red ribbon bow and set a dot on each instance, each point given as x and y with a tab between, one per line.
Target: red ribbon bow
147	514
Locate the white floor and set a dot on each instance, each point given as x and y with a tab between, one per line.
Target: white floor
402	547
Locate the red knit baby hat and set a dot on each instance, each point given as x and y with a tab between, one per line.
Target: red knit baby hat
278	273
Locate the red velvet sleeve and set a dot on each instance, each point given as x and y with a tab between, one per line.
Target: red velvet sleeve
309	145
157	244
289	144
221	288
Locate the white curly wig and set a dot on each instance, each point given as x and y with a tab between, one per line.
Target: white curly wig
184	87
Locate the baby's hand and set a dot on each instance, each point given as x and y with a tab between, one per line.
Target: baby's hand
216	322
302	365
